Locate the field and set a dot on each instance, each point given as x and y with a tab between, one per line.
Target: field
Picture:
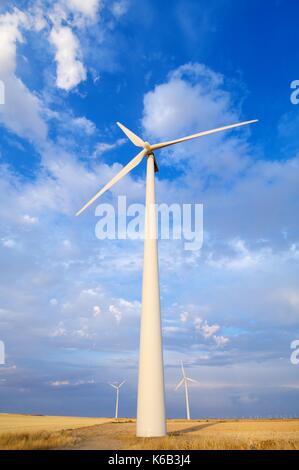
41	432
50	432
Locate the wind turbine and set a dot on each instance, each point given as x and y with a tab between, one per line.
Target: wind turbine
185	381
117	387
151	419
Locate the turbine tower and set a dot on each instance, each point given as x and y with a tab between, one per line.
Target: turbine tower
151	419
185	381
117	387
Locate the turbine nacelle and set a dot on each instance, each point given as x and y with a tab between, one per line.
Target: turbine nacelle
148	147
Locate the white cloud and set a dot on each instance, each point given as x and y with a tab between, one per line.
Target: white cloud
120	7
22	112
103	147
184	317
37	16
29	220
92	292
96	311
209	330
10	24
197	323
220	340
58	331
86	7
115	312
67	383
68	16
241	258
8	242
60	383
191	99
85	125
70	70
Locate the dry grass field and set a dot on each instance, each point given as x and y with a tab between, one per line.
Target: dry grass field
50	432
41	432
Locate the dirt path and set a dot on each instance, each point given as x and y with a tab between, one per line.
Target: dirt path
96	443
102	437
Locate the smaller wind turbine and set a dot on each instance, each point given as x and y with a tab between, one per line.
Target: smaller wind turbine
185	381
117	387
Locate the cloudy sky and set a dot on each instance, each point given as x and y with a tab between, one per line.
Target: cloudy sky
70	303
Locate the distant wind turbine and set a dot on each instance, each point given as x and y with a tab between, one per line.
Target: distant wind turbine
117	387
151	420
185	381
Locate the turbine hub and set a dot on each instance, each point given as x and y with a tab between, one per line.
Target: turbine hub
147	145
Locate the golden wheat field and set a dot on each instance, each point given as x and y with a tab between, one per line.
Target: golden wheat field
38	432
58	432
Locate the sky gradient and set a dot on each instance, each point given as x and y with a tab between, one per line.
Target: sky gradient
70	303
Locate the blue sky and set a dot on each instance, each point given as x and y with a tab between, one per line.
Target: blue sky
69	303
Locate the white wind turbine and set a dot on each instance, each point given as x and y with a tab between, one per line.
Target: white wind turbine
185	381
151	419
117	387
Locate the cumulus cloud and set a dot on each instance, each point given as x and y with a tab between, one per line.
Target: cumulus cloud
184	317
86	7
10	24
84	124
191	98
115	311
22	111
70	70
67	17
209	330
220	340
96	311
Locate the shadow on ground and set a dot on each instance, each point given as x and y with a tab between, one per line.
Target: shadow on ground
199	427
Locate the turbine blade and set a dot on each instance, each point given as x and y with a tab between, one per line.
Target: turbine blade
133	137
179	384
121	384
200	134
132	164
192	380
112	385
183	370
